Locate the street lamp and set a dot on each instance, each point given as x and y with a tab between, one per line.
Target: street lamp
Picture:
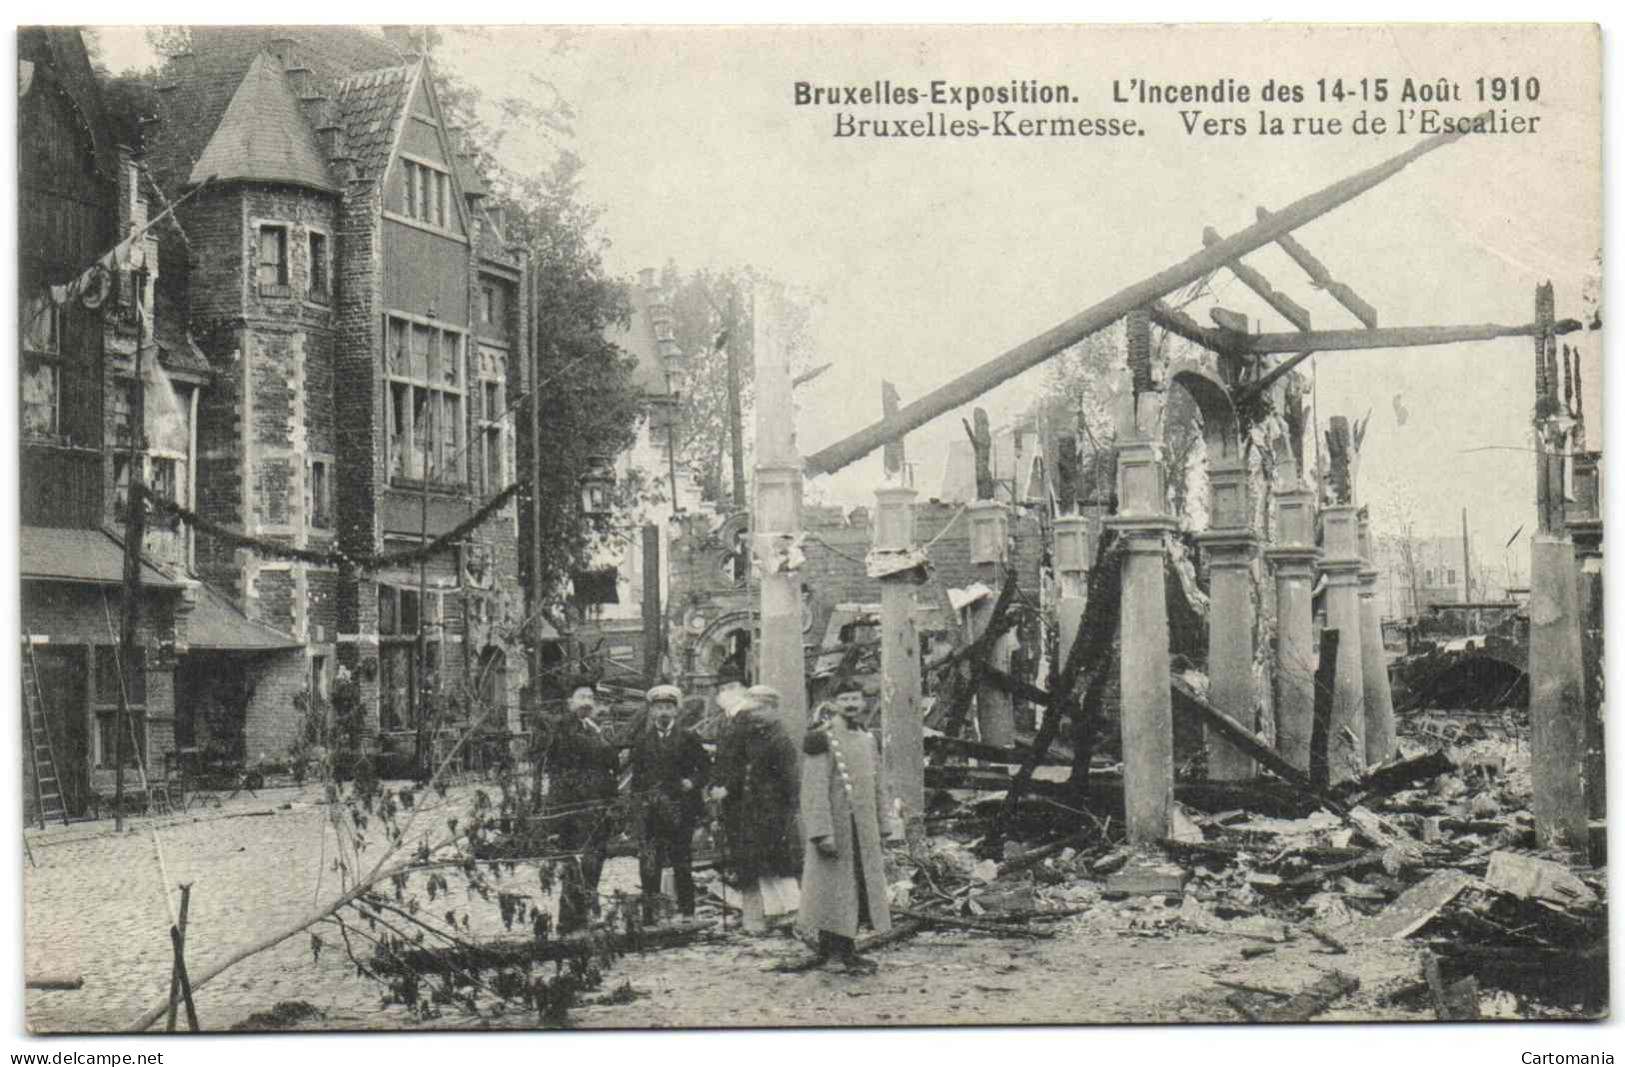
597	487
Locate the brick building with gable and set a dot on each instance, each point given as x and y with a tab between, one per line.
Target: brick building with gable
89	302
365	330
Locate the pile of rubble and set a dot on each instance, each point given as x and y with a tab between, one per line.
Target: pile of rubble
1435	849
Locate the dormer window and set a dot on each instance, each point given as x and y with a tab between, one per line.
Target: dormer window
426	193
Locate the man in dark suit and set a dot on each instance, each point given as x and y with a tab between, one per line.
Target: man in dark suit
670	768
582	770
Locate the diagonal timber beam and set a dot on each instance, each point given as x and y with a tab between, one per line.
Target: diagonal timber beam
1322	277
1180	324
1030	353
1288	308
1259	344
1257	388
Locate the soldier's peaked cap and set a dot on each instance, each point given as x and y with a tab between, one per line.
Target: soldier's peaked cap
669	693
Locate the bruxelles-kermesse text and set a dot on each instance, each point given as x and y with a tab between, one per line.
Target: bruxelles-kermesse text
1001	124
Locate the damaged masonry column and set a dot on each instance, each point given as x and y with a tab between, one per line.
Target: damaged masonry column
1072	555
1345	748
1379	696
1557	682
899	565
1294	558
776	522
1230	548
1143	523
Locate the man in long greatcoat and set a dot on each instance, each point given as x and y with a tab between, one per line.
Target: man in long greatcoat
843	811
669	771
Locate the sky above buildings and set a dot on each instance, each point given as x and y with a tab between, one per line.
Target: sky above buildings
932	255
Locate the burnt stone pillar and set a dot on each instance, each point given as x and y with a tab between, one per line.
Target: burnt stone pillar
1230	549
1293	559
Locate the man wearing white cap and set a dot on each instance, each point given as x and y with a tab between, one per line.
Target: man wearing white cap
669	771
761	789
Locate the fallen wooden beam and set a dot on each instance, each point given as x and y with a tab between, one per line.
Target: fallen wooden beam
996	929
474	957
1323	279
1259	344
1289	309
986	753
1403	773
54	981
1243	738
967	387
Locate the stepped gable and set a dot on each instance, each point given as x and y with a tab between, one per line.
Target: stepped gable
263	135
370	106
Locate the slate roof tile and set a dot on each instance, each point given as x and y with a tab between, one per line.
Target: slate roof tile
263	135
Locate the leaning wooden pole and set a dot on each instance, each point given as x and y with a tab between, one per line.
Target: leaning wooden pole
776	522
135	512
968	387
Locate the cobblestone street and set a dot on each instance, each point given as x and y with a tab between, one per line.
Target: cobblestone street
95	907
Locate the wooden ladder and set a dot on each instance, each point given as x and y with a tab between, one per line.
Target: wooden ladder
47	791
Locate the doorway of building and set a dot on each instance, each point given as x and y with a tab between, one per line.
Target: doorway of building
63	680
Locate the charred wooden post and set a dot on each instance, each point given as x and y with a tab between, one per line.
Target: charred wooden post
981	443
1325	702
1143	523
1379	695
1342	567
995	711
1548	489
897	560
895	455
776	522
1294	558
1070	549
1585	527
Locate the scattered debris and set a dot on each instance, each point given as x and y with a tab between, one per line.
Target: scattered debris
1302	1006
284	1015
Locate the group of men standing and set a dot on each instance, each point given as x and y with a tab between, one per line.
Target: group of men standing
799	820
